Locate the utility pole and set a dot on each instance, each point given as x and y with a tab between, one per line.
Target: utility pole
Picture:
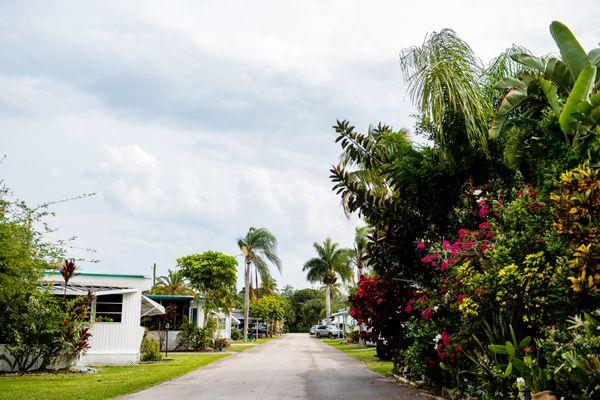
154	274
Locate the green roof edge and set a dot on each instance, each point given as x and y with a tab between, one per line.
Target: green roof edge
98	274
168	296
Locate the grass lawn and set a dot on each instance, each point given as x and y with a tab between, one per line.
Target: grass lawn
364	354
109	382
240	345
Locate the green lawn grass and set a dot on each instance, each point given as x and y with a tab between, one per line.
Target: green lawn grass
109	382
365	354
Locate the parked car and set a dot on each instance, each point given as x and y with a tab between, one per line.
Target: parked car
313	329
262	330
327	330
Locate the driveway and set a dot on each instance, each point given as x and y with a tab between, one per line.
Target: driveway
295	366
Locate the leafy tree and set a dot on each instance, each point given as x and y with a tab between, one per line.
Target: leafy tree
312	311
268	287
37	328
330	264
359	251
213	275
259	248
271	309
172	283
287	291
300	320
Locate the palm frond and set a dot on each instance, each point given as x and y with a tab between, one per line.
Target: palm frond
443	77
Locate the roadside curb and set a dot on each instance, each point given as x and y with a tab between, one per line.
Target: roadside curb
413	385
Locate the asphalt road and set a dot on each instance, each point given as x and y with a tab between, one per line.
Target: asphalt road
295	366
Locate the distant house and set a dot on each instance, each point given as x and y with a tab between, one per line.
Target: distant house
343	320
116	312
180	308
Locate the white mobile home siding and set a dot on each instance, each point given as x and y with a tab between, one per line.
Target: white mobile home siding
117	343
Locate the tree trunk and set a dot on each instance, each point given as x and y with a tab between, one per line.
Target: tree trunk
246	300
327	303
256	278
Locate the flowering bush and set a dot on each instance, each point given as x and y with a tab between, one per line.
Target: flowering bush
46	330
377	304
506	260
576	219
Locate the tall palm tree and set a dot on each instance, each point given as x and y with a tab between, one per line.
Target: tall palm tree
331	262
172	283
336	290
259	248
359	251
443	77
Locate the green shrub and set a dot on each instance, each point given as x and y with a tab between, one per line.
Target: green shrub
220	344
192	337
354	335
236	335
150	350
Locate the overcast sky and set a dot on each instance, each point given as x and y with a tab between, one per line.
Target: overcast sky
192	121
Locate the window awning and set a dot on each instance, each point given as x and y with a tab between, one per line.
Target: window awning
150	307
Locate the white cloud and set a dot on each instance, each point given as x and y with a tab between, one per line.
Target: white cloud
196	120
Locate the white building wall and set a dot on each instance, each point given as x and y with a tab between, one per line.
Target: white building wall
117	343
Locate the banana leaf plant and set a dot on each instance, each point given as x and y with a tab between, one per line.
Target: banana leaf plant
521	362
570	86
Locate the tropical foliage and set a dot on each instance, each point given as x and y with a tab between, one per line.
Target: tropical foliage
259	248
39	330
271	310
332	263
213	275
173	283
483	245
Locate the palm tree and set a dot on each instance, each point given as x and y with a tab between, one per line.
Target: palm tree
259	247
331	262
173	283
443	77
359	252
267	286
336	290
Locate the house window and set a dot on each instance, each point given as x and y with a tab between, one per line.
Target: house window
109	308
194	317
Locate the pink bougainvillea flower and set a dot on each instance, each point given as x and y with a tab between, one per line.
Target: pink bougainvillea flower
462	233
484	226
408	309
460	298
444	265
421	246
484	211
426	313
445	338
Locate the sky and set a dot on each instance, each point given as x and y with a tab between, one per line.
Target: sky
192	121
